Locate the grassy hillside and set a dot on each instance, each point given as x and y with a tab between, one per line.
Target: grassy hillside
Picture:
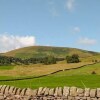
41	51
87	70
77	77
36	69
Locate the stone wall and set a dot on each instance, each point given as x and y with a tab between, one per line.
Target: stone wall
58	93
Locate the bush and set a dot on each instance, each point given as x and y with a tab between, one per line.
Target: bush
73	59
93	72
49	60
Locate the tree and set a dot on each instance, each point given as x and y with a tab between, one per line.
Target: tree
49	60
73	59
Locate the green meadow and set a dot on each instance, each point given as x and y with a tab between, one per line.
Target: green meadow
81	77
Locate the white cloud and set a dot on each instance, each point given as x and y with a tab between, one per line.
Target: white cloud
11	42
76	30
70	4
87	41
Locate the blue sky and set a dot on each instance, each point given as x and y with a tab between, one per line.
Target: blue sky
68	23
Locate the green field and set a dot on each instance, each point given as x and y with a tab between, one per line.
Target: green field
37	69
78	77
8	67
92	81
87	70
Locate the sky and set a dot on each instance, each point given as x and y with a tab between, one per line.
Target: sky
62	23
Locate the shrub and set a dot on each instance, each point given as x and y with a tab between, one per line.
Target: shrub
73	59
49	60
93	72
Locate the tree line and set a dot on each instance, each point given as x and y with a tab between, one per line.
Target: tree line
4	60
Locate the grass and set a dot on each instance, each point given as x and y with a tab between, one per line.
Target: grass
38	69
8	67
78	77
87	70
92	81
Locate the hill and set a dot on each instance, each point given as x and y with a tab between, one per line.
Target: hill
41	51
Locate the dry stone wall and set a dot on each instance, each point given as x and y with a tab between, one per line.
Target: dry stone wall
58	93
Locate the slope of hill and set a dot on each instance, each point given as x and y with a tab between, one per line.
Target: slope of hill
41	51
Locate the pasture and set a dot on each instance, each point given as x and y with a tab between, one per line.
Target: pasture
37	69
77	77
